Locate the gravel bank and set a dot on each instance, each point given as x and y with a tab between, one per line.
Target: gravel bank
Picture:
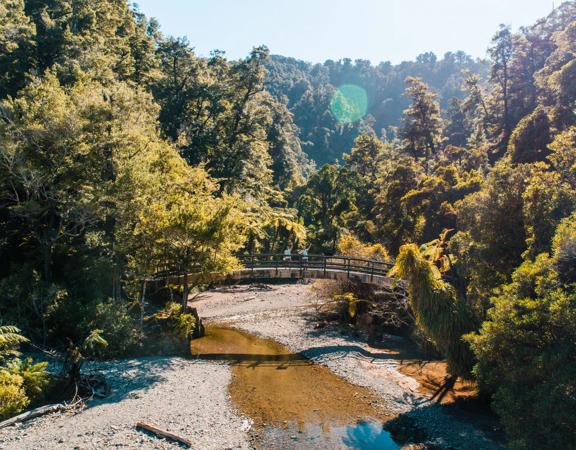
190	398
187	398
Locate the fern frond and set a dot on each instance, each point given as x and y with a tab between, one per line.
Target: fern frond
10	340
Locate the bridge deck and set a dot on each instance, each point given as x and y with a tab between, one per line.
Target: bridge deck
275	266
311	272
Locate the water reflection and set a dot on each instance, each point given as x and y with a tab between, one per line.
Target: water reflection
366	435
362	435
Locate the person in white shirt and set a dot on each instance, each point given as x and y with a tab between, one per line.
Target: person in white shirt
288	253
304	254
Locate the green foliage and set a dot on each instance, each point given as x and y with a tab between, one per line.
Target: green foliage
530	139
309	89
349	245
563	157
13	398
395	226
421	129
17	46
180	324
224	118
10	340
491	234
439	313
35	379
124	154
564	248
94	343
170	330
21	381
525	350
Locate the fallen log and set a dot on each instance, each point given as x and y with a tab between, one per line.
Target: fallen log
32	414
163	434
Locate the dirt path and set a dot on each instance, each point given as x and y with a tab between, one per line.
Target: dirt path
190	397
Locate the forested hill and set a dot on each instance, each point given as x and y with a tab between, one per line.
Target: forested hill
308	90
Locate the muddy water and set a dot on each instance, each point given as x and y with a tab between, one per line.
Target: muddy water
294	403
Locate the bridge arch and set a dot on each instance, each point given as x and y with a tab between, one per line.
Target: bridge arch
281	267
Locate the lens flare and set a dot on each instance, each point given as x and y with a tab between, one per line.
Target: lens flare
349	103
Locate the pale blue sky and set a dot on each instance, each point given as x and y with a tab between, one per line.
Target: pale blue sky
316	30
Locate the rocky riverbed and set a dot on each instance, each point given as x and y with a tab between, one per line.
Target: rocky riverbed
190	397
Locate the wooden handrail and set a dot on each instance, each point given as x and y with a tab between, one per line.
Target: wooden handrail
278	261
345	263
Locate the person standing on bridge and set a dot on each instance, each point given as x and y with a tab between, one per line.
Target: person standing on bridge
288	253
304	254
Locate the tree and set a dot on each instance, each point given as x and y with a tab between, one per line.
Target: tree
563	156
322	203
394	226
501	53
439	313
421	129
17	47
525	350
456	131
492	231
531	137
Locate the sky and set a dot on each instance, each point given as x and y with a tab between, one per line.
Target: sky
316	30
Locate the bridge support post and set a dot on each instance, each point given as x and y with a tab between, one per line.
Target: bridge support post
348	268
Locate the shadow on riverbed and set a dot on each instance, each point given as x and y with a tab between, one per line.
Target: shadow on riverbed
302	358
131	378
422	424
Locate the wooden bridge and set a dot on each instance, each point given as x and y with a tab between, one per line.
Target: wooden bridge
279	266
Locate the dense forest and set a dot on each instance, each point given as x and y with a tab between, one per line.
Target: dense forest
123	154
308	90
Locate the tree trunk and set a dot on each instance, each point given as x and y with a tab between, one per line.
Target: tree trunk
185	292
142	306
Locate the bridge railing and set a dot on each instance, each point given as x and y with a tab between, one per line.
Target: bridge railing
318	262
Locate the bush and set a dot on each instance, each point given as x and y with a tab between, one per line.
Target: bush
350	245
113	320
118	327
526	349
20	381
170	330
34	377
13	397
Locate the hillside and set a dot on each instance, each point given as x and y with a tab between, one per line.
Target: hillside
308	89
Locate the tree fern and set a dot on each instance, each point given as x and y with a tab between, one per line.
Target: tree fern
441	316
10	339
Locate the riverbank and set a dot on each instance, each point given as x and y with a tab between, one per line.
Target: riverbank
190	397
286	313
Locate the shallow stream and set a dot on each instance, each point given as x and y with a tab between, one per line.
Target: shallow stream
294	402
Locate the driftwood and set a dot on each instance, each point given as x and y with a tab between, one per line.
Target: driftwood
32	414
163	434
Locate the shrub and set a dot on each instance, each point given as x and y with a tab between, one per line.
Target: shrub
21	381
34	376
526	349
350	245
13	397
170	330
